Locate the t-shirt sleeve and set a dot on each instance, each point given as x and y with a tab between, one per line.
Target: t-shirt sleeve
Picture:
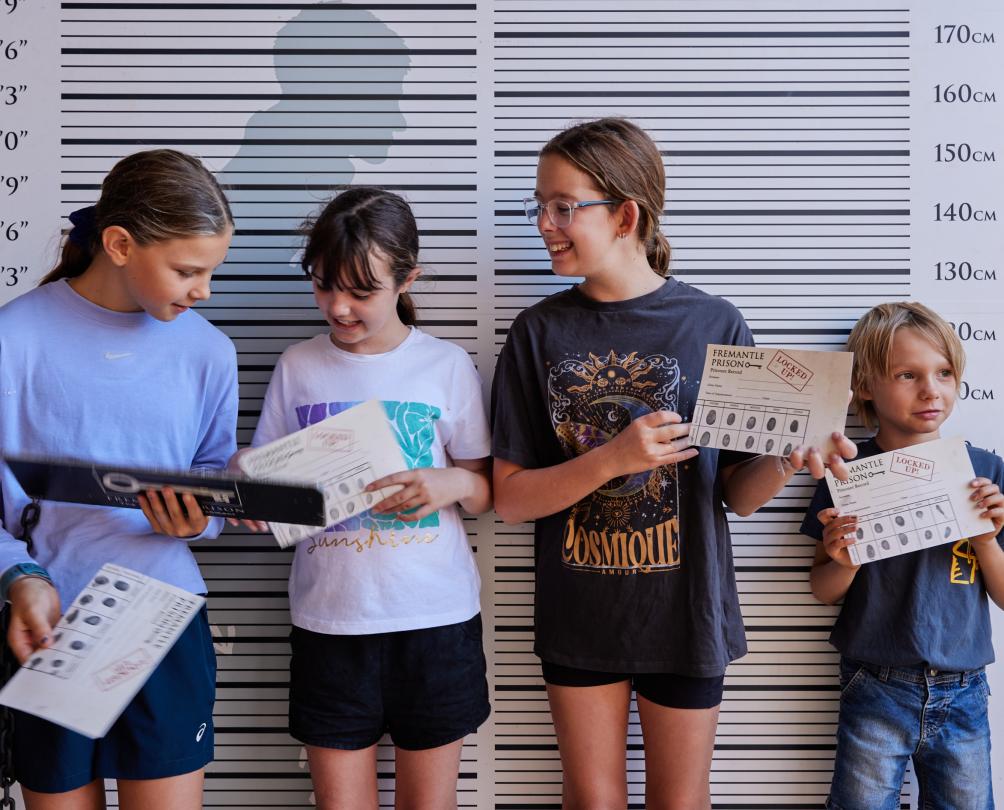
820	500
741	336
271	423
520	429
470	437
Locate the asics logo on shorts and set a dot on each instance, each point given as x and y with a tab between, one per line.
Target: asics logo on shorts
200	732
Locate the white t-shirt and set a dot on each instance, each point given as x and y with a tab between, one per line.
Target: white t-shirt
376	574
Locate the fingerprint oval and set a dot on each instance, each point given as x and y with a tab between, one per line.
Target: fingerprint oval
751	423
771	423
711	417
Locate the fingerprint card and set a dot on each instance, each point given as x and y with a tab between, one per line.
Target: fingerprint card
104	648
341	455
907	500
770	401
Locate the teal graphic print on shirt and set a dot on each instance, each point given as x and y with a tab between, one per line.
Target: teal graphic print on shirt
414	425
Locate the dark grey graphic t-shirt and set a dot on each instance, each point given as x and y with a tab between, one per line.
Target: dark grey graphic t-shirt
637	576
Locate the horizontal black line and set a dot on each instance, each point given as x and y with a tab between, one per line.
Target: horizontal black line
274	96
697	34
702	93
268	141
278	51
300	187
296	232
533	153
244	6
779	212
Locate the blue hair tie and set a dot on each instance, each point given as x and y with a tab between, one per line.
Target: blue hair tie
84	226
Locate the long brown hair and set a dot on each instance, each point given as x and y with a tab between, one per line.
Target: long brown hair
625	164
358	222
155	195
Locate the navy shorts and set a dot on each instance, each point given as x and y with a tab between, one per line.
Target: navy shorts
662	688
166	730
425	687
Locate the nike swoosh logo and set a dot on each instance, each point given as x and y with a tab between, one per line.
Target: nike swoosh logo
117	355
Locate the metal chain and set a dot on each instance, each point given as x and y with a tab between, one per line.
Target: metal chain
29	520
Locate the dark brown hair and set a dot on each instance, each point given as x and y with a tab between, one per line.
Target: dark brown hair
155	195
625	164
352	227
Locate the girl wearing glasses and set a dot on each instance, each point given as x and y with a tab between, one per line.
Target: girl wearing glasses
635	587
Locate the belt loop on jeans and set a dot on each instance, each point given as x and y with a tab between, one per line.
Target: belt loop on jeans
964	679
883	673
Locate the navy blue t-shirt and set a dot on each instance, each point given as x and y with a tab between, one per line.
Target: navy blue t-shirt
638	575
927	608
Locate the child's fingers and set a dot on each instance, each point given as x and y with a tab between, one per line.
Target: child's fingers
146	505
839	468
814	461
824	516
844	446
678	455
418	514
395	502
404	477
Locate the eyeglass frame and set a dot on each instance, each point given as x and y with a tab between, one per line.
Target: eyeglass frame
546	207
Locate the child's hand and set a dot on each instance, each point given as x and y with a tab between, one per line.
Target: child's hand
651	441
424	491
34	610
813	459
234	467
988	498
167	516
838	534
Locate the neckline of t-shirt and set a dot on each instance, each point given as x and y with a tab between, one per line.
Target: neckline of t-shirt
95	312
355	357
640	302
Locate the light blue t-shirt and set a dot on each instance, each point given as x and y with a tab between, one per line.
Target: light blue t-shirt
83	382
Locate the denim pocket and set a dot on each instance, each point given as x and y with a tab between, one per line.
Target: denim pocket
984	686
851	677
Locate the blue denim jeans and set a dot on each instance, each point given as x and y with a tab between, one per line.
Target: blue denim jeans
888	715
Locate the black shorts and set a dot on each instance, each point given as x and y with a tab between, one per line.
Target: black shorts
662	688
425	687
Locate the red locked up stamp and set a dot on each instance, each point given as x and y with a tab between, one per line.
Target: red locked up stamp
790	371
123	669
911	466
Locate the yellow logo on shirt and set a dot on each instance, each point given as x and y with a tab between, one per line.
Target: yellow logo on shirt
964	563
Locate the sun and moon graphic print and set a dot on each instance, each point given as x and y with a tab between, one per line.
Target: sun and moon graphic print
630	525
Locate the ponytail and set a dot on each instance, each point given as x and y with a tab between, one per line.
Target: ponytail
657	252
73	261
406	310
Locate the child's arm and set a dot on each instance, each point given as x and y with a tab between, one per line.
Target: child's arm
832	570
988	551
650	441
429	489
749	485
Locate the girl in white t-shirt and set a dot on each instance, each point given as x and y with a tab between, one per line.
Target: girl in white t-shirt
386	626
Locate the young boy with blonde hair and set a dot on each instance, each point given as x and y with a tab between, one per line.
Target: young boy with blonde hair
914	630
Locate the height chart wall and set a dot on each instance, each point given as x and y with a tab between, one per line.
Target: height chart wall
821	156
